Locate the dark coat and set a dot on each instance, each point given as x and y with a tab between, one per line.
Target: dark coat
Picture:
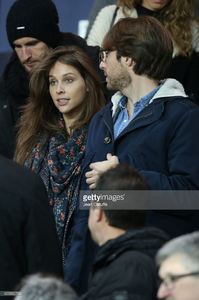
185	70
13	94
28	236
161	142
125	267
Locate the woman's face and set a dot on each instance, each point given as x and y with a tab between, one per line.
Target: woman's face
154	4
67	89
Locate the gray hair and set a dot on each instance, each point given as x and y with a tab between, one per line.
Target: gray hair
38	287
185	245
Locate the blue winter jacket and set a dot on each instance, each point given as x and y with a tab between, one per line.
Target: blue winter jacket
161	142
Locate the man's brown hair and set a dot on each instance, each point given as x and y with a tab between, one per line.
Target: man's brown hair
144	40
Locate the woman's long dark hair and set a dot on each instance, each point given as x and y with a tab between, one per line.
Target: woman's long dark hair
40	114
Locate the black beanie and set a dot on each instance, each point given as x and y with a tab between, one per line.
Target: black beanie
33	18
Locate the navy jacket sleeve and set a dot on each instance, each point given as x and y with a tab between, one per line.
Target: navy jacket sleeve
183	149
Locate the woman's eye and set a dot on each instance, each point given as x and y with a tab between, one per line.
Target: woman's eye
52	82
69	80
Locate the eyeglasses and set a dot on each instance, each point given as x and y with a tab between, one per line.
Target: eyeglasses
170	280
103	54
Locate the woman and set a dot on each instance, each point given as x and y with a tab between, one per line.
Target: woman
64	95
176	15
178	18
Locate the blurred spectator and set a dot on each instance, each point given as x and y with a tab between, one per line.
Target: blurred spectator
40	287
95	9
179	268
29	242
178	17
124	266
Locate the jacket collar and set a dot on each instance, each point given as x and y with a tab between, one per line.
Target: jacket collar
170	90
134	240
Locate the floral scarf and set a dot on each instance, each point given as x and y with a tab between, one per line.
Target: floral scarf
58	162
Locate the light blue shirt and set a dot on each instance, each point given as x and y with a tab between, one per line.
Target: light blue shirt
123	119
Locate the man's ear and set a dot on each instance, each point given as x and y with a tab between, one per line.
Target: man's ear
129	61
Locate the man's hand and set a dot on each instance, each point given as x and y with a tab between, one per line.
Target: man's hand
100	167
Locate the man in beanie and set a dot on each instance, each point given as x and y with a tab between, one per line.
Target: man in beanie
32	29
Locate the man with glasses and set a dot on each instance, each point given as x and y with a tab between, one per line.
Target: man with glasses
179	268
150	123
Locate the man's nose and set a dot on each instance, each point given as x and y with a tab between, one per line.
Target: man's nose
26	53
102	65
163	292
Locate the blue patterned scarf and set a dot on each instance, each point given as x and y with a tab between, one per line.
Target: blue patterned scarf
58	162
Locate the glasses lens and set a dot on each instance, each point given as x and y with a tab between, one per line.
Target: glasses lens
167	282
100	55
103	55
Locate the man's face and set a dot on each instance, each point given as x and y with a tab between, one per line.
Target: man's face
117	76
30	51
184	288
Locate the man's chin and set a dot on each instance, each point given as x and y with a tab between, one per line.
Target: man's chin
110	87
29	67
